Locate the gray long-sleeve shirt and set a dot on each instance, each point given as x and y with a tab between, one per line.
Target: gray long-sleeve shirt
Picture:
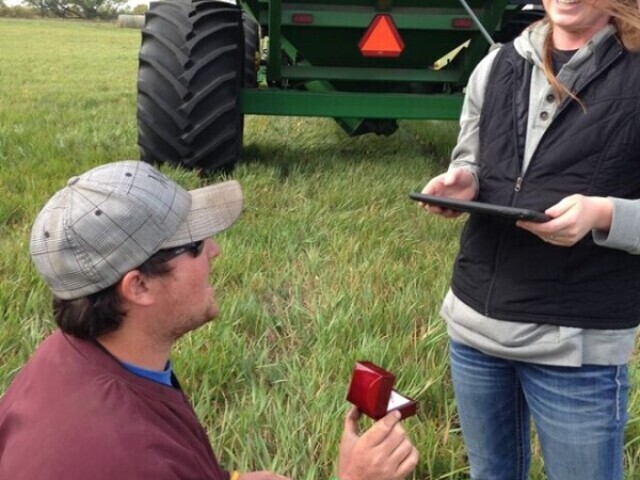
540	343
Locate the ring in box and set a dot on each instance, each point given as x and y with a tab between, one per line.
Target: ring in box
371	390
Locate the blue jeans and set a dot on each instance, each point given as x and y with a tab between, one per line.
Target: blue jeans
579	414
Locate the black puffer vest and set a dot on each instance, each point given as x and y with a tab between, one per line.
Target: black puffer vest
509	274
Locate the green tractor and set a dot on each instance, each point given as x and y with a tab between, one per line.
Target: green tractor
204	64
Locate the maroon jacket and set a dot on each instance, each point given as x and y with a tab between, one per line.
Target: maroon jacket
75	413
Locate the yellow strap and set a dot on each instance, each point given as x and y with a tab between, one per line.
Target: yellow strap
235	475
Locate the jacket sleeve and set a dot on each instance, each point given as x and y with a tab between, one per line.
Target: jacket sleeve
465	153
625	227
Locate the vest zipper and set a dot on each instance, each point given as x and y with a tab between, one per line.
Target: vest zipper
487	310
517	187
518	184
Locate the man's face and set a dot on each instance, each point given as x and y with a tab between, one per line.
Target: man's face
187	297
575	21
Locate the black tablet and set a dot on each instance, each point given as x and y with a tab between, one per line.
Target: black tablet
479	207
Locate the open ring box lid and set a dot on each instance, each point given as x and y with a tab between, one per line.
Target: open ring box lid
371	390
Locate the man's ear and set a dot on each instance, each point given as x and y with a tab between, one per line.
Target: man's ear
135	287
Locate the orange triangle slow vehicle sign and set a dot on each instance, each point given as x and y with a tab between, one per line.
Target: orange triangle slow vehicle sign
381	38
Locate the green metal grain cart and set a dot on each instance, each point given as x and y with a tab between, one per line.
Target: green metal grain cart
204	64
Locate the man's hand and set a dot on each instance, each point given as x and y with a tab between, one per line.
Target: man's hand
382	453
458	183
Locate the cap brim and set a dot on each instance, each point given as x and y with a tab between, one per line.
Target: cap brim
213	209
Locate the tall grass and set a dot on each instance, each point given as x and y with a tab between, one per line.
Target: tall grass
329	264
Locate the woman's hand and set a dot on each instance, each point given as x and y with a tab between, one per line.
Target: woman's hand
458	183
572	218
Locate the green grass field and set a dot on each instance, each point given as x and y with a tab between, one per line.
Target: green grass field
329	264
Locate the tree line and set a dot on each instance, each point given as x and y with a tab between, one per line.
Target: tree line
82	9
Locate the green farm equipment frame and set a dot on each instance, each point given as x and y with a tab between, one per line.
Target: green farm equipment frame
204	64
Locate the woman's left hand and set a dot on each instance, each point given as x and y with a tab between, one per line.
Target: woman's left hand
571	219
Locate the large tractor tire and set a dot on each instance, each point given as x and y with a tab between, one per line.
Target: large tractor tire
189	80
251	31
251	51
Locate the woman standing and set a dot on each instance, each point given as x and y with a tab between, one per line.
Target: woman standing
542	317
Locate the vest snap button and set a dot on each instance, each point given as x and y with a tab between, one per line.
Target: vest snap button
544	115
551	98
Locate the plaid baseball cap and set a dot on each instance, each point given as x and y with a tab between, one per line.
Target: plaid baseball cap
113	218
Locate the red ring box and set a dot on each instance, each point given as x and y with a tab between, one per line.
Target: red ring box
371	390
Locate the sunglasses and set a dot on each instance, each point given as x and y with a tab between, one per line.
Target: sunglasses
194	248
